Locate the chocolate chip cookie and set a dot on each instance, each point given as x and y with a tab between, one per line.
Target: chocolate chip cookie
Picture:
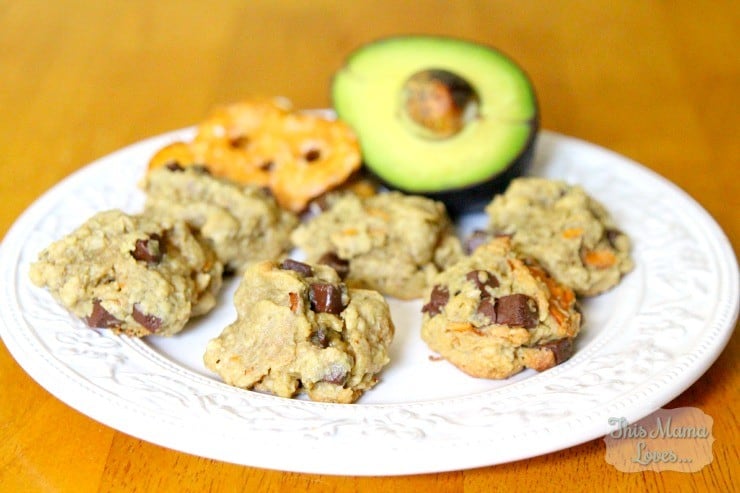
299	329
242	222
131	274
492	314
571	234
390	242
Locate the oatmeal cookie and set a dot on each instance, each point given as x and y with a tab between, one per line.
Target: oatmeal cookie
492	314
299	329
131	274
390	242
242	222
564	229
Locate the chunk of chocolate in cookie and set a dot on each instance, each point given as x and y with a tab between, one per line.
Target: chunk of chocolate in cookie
146	320
482	279
100	317
299	267
562	349
438	298
150	249
519	310
326	298
487	308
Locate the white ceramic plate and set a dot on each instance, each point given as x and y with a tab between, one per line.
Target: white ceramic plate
642	344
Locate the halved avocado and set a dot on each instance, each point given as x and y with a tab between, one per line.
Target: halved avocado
437	116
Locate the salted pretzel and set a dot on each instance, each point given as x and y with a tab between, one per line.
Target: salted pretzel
299	156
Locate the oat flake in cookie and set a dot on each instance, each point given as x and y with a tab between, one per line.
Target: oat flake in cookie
567	231
390	242
492	314
242	222
300	330
131	274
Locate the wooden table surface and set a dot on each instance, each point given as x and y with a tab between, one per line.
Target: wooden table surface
656	81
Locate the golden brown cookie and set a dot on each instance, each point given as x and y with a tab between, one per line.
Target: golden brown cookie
300	330
131	274
390	242
492	314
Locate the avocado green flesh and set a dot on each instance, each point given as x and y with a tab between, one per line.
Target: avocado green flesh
367	91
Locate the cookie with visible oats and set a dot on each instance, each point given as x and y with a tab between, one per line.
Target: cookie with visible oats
131	274
299	329
568	232
492	314
243	223
390	242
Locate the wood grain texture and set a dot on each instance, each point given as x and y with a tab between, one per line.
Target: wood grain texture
656	81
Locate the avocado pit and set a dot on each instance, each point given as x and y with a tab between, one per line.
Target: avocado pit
438	103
